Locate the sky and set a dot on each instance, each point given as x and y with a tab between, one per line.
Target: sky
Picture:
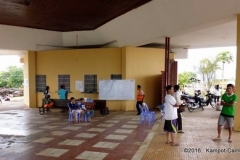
10	60
196	55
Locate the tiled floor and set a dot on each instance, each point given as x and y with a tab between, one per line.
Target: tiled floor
26	135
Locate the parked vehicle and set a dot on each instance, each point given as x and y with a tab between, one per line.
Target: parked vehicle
210	100
195	102
192	102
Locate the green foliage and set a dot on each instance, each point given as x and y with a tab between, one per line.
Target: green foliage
184	78
208	68
224	57
4	79
13	77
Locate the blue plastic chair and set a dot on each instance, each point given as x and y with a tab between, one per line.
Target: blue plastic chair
162	111
85	116
70	116
144	114
145	107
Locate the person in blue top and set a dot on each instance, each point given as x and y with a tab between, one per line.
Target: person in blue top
86	111
62	92
75	109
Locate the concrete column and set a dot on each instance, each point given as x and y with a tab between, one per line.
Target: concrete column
126	68
237	90
29	79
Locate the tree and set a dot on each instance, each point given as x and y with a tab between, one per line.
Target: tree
224	57
208	68
13	77
4	79
184	78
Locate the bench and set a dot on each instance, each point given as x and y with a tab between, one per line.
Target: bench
100	105
57	103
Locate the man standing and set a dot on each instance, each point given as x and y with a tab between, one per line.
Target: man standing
170	124
177	95
140	97
228	100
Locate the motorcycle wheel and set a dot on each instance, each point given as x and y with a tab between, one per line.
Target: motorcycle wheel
213	104
189	106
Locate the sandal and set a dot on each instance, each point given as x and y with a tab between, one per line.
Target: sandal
230	140
168	142
180	132
217	139
175	144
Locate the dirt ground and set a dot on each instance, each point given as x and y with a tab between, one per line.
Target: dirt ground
14	103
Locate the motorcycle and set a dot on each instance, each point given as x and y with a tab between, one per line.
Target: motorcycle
209	101
192	102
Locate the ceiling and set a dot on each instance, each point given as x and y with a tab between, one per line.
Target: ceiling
64	15
216	36
61	24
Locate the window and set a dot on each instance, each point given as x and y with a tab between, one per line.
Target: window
116	76
90	83
64	80
40	83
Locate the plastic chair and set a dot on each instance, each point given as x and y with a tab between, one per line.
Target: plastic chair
162	111
85	116
144	114
70	116
145	106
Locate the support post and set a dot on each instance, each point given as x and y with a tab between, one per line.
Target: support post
167	48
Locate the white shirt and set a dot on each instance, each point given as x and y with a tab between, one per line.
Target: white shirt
177	96
186	89
217	92
170	110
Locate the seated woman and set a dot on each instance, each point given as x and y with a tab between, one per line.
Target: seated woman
88	112
75	110
47	103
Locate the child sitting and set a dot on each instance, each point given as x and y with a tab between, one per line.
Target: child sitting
88	112
75	110
47	103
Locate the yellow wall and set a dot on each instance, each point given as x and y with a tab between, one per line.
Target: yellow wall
29	79
77	63
142	64
145	66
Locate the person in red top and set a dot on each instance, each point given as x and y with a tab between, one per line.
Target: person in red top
140	98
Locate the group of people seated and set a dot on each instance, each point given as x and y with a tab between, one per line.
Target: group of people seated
79	108
75	108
